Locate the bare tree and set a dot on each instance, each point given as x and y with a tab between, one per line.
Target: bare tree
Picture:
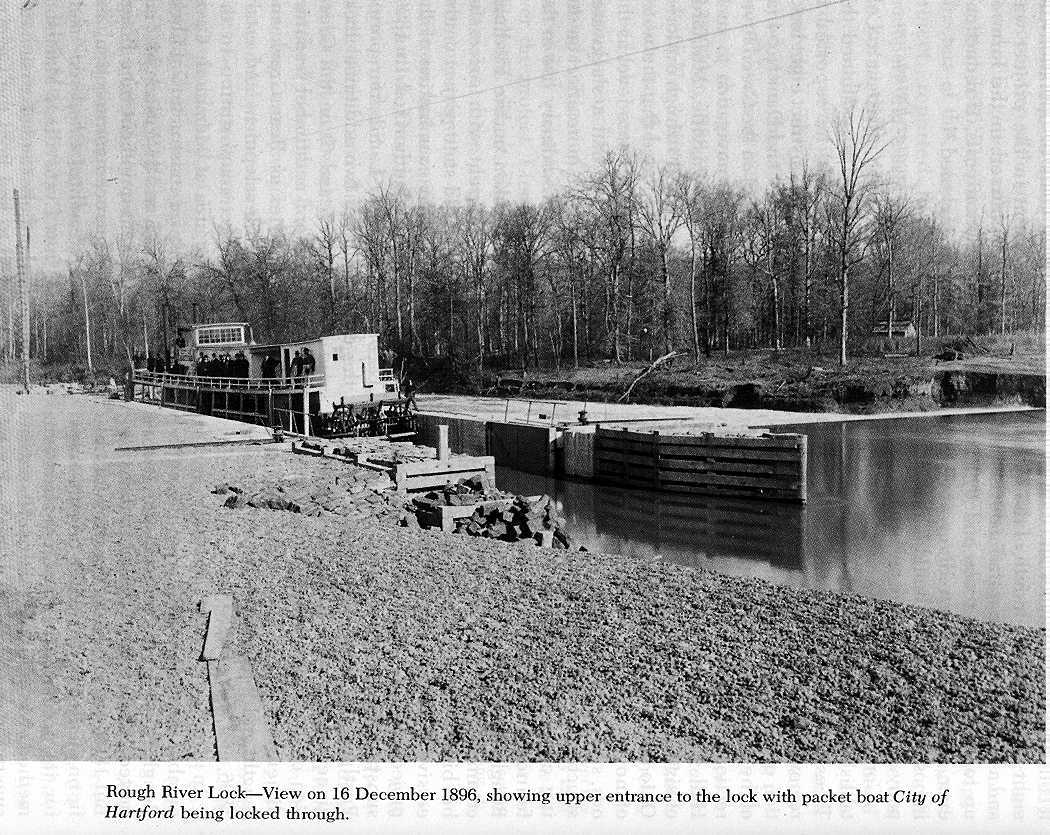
890	213
611	193
858	139
660	216
1005	222
76	270
690	194
324	247
808	193
760	252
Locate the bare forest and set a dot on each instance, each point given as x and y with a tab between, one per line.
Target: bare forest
632	260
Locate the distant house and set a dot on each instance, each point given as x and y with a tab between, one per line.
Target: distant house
901	330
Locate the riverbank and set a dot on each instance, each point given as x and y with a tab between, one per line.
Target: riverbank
790	380
544	411
373	642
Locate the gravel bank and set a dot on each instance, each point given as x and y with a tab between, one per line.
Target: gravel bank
374	642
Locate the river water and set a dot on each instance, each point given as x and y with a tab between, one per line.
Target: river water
946	512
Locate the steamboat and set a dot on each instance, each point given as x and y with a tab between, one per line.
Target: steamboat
329	386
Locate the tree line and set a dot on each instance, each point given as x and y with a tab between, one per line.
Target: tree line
631	260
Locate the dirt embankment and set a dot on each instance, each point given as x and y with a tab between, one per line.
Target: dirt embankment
371	641
790	381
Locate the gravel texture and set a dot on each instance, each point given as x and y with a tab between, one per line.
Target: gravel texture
374	642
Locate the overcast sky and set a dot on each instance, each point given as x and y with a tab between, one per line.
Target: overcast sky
211	112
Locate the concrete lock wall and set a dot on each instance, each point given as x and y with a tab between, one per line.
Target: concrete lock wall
466	436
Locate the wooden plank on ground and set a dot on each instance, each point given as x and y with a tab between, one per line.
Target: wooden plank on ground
454	464
236	442
219	608
422	482
241	732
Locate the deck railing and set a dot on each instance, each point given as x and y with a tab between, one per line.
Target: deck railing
157	378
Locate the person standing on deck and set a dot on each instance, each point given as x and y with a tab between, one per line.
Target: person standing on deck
309	363
297	365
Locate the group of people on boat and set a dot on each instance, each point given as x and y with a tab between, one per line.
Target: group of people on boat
222	365
302	364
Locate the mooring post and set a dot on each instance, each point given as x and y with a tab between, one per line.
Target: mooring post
803	466
306	409
656	459
443	442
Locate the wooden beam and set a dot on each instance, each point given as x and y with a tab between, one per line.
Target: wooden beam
219	608
237	442
241	731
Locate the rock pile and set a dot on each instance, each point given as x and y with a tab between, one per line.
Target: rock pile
496	514
354	493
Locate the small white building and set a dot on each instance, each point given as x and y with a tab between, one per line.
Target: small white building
901	330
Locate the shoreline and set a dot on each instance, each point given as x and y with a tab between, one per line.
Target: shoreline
380	643
496	408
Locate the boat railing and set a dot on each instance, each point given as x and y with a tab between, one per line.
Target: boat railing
386	375
160	378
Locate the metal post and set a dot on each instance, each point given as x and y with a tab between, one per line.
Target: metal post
442	442
23	299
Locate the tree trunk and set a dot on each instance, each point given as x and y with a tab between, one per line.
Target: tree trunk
844	301
692	298
776	313
889	288
1002	300
87	325
665	274
808	285
575	326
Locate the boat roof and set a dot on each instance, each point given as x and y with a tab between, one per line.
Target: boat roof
298	342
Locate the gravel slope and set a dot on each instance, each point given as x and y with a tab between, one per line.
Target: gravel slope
373	642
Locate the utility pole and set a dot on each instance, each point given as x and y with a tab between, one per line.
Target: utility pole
20	265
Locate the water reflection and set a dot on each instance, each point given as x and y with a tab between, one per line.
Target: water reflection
945	512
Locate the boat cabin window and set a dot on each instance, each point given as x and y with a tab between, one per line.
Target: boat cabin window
232	335
335	357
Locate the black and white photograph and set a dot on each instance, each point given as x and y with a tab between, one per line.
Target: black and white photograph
510	416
